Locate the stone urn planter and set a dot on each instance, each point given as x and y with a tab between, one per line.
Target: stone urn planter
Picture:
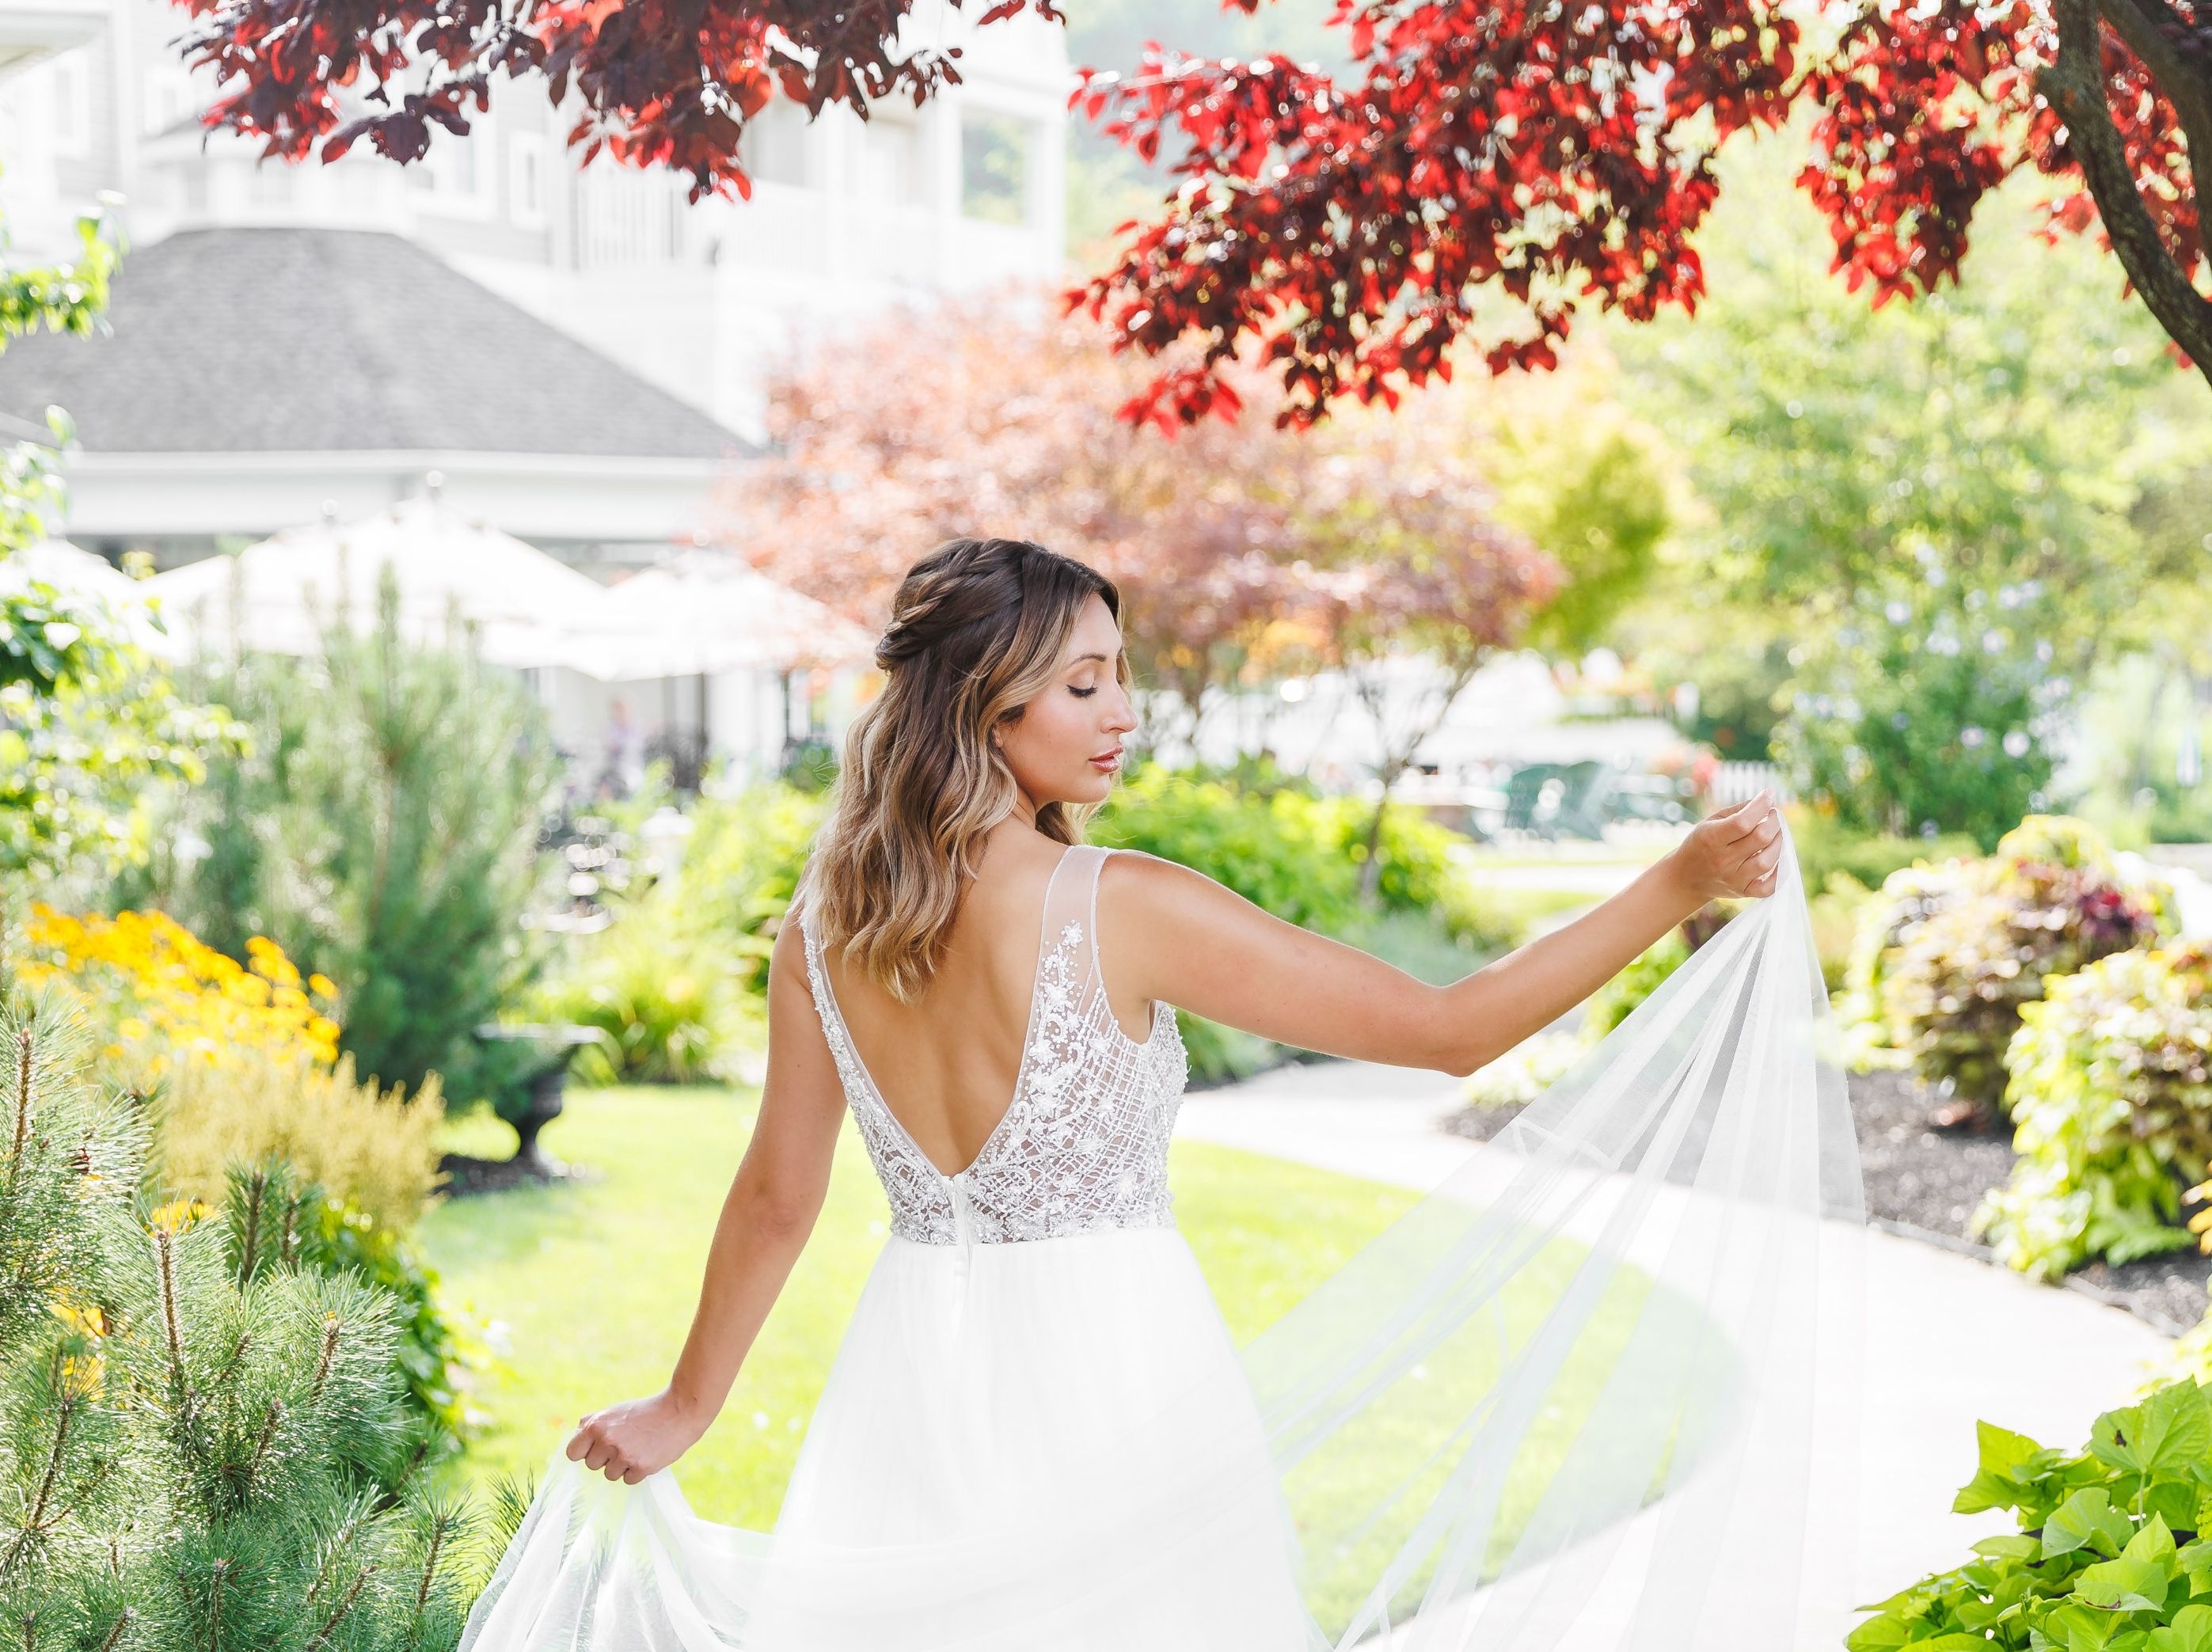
540	1079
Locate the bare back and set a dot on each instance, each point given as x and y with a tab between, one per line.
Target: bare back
947	1064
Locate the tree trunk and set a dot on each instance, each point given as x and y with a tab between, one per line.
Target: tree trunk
2076	86
1370	871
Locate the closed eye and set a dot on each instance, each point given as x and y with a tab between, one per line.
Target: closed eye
1081	694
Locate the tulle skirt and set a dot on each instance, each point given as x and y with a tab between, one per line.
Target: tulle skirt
1044	1444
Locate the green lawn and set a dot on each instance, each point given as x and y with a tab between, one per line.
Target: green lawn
595	1283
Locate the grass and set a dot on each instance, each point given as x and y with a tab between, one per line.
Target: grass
592	1285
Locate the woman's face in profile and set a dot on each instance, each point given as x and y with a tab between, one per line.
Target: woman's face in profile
1055	746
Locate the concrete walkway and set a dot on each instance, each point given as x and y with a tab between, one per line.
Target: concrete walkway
1949	1338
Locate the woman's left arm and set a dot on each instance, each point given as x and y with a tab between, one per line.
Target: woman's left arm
770	1211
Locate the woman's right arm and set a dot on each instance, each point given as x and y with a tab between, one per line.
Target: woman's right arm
1205	949
767	1216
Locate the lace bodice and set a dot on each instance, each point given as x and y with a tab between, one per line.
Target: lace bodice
1084	1142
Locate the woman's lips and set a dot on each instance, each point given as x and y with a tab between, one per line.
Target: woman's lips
1108	764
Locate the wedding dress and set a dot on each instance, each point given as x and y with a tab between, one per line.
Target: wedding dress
1589	1363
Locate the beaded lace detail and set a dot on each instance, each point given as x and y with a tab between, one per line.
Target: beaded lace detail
1084	1143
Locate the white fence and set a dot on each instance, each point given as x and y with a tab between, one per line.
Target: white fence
1736	781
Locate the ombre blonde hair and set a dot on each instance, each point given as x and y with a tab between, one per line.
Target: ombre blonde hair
977	629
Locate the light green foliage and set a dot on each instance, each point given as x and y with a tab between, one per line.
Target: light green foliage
1937	497
1279	842
1925	707
374	1147
2111	1095
2107	1556
205	1440
679	981
668	995
87	722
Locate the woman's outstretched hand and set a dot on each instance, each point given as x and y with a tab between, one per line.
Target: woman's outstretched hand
1736	852
637	1437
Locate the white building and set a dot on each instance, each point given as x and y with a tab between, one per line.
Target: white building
683	306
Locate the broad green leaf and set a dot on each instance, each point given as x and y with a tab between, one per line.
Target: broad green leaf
2169	1434
2086	1518
2190	1632
1993	1485
2081	1629
2009	1547
2153	1541
2128	1584
1878	1634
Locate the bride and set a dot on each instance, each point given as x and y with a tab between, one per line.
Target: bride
1037	1432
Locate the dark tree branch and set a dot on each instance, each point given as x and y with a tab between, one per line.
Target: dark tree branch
2076	86
2151	29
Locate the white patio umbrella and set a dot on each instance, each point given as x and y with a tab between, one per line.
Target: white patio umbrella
705	611
529	609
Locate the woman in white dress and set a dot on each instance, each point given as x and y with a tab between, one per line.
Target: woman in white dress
1037	1432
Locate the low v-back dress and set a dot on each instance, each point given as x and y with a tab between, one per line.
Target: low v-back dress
1038	1319
1037	1434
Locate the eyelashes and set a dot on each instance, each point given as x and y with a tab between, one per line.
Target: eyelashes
1081	694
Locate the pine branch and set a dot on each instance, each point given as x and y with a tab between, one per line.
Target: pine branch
333	1551
35	1523
261	1445
441	1524
221	1573
339	1615
22	1105
114	1636
331	1330
257	1189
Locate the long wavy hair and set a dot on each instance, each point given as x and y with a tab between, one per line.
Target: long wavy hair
977	629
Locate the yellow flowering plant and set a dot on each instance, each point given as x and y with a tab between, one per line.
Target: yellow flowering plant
166	997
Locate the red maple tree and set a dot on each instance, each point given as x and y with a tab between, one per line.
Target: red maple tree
1248	551
1355	226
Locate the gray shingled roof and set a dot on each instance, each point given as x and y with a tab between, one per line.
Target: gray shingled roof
253	340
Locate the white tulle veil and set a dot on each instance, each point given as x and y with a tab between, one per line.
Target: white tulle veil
1596	1390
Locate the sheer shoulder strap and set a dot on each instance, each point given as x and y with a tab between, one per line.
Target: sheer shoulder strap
1067	961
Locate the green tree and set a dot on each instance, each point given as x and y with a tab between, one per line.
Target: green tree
382	829
1936	499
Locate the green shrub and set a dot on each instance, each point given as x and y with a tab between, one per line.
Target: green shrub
2107	1555
2111	1104
741	864
1947	956
373	1148
1836	911
668	996
1277	841
1963	972
1275	847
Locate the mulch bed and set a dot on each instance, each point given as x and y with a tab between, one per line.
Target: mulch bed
1925	1184
466	1174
